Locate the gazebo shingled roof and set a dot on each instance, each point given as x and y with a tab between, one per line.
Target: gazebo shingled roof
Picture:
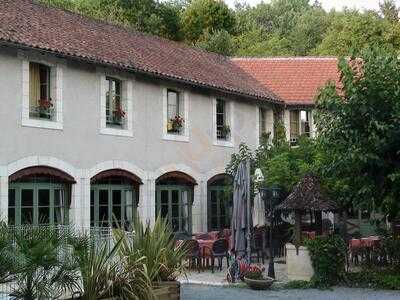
308	195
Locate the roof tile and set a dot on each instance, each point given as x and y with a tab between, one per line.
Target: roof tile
26	23
296	80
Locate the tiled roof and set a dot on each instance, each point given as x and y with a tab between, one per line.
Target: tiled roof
296	80
25	23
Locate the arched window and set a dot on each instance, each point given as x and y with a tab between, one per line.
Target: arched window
113	198
39	195
174	198
219	202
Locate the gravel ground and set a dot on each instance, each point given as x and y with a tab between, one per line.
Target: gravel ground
203	292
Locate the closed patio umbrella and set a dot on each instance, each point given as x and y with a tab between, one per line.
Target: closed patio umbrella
241	209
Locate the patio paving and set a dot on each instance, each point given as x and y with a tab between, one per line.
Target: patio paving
218	278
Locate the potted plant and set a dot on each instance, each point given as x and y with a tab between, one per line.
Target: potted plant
254	278
163	257
44	108
175	124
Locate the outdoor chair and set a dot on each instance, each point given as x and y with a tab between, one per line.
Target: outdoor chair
257	250
194	255
219	251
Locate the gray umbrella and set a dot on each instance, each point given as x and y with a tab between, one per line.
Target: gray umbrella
240	216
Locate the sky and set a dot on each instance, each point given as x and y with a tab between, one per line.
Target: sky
329	4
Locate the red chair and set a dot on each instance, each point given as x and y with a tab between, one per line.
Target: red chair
202	236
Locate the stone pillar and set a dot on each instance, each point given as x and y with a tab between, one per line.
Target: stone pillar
270	124
85	202
286	122
150	201
197	208
3	194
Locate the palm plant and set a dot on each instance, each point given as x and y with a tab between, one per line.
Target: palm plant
41	269
102	275
164	259
6	260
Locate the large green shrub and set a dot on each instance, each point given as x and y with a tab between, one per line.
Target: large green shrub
328	256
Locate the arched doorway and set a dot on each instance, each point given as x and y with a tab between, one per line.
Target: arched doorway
114	196
219	202
174	199
39	195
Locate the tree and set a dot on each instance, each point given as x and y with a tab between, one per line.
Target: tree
389	11
352	32
206	16
359	133
219	42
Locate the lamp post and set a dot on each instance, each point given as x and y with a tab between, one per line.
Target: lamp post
270	197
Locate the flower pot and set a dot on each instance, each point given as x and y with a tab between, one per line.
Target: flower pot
259	284
167	290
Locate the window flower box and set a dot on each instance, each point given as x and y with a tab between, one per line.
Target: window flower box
43	110
175	125
224	132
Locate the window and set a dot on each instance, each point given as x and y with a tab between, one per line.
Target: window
41	104
112	205
294	127
223	129
115	114
305	122
37	202
299	125
265	125
175	123
174	205
219	208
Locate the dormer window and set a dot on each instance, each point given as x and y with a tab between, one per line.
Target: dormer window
115	114
41	105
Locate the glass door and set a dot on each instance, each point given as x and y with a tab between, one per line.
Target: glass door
219	208
112	205
174	204
37	204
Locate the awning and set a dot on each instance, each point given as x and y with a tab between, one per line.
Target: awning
180	177
116	173
42	171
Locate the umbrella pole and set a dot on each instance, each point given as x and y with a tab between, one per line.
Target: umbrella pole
248	248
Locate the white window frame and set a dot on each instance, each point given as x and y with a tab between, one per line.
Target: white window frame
184	136
56	79
229	104
127	104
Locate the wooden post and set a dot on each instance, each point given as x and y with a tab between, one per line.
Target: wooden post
248	248
297	228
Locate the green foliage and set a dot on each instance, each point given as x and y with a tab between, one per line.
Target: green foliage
359	136
299	285
163	258
219	42
38	269
374	279
352	32
206	16
328	256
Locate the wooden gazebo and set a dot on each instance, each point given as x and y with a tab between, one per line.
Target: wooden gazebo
308	195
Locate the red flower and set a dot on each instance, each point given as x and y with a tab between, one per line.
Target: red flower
45	103
118	112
